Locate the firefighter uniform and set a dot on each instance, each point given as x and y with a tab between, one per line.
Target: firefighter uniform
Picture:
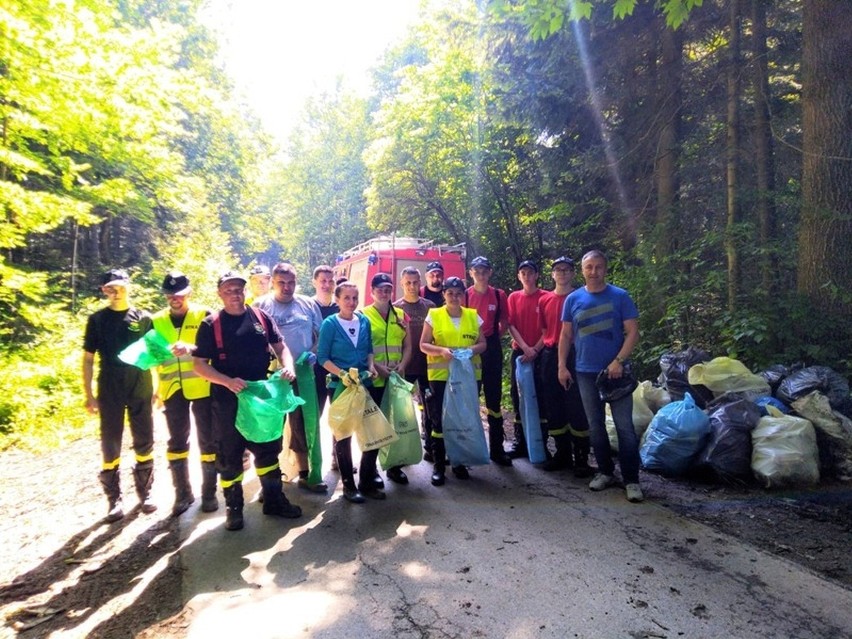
121	388
235	346
181	389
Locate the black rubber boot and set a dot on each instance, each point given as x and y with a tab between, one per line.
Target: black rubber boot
563	458
495	442
209	503
112	489
275	503
233	506
343	454
183	489
439	469
143	477
582	448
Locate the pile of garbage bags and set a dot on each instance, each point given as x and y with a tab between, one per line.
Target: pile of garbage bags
715	419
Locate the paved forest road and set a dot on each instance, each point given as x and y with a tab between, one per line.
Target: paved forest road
511	553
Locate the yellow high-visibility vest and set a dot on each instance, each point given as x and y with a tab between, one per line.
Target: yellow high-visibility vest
387	336
178	373
445	333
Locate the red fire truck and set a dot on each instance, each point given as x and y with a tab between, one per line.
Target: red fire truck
390	254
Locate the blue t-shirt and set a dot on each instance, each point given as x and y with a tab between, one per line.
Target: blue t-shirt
598	321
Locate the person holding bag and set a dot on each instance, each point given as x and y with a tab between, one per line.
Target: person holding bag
447	328
345	342
391	346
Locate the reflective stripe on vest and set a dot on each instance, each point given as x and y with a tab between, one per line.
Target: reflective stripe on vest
179	373
445	333
387	337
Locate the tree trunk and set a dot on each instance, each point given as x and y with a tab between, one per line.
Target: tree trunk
764	156
825	236
732	144
667	153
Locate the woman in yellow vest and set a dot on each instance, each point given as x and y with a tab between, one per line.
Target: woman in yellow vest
447	328
391	349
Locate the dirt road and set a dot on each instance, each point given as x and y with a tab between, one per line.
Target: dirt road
66	574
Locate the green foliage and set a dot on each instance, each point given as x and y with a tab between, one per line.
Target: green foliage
41	400
318	193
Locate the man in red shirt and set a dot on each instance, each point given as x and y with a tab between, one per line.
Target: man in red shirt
490	303
566	419
527	344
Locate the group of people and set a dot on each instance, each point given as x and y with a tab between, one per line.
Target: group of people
568	335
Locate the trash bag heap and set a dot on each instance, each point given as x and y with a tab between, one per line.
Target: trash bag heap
714	419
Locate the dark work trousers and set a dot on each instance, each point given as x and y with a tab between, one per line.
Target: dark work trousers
125	389
230	444
425	418
177	409
492	387
367	470
516	400
436	407
565	413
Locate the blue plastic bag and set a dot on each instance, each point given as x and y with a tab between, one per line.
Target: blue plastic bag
531	419
675	437
464	437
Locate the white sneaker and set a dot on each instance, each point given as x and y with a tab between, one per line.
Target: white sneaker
601	481
634	493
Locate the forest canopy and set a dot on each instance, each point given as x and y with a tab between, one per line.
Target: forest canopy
704	146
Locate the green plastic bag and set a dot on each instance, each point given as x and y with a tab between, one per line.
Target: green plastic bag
310	414
150	350
400	411
261	408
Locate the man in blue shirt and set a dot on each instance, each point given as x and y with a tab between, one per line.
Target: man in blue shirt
601	320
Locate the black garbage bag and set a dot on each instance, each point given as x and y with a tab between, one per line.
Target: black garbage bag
774	374
674	376
727	455
815	378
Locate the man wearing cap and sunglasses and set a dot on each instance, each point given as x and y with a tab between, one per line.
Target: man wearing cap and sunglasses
490	303
260	282
232	348
434	289
181	389
120	388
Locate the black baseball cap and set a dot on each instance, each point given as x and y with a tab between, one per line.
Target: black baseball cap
176	283
227	276
453	282
434	266
480	261
528	264
567	261
259	269
115	277
381	279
